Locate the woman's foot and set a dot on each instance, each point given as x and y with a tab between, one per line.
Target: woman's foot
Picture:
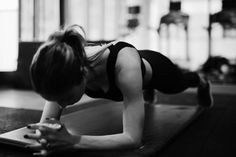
204	94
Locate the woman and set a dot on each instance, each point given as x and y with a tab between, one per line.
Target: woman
61	72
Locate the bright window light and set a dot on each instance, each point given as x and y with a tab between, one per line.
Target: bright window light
9	35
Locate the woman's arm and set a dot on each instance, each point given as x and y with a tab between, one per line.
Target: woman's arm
51	110
129	80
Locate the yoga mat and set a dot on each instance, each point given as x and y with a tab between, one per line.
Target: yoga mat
162	123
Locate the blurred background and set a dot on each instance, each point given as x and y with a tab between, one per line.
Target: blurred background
195	34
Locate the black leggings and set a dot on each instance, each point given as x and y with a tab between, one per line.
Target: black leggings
166	76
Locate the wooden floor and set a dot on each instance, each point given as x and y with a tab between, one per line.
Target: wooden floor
15	98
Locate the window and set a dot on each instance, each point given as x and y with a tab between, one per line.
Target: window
101	19
39	18
9	35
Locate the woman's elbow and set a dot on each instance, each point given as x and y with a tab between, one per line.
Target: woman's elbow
135	142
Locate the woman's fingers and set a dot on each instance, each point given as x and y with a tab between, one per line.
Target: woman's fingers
39	126
41	153
52	126
42	138
33	136
42	130
43	141
49	136
37	146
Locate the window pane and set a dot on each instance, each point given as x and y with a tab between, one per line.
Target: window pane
111	19
101	19
26	20
76	13
48	18
9	35
96	19
39	18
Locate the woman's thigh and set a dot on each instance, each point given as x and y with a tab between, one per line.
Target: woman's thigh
166	76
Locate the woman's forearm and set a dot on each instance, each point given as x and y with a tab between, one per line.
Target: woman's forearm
51	110
116	141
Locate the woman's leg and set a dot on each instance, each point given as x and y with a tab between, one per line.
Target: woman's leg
168	78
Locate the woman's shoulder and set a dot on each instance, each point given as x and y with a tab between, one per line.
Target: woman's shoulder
127	55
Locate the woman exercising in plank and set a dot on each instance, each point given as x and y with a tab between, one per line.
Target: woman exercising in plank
62	71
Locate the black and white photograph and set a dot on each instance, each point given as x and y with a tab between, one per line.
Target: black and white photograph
117	78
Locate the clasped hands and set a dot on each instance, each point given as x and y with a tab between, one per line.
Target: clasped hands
51	136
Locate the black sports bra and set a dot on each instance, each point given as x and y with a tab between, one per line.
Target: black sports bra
113	92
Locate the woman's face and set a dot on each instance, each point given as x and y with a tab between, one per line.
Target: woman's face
71	96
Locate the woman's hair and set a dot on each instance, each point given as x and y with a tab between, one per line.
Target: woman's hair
59	63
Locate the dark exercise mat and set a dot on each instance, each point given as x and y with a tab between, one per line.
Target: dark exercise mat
11	118
162	123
